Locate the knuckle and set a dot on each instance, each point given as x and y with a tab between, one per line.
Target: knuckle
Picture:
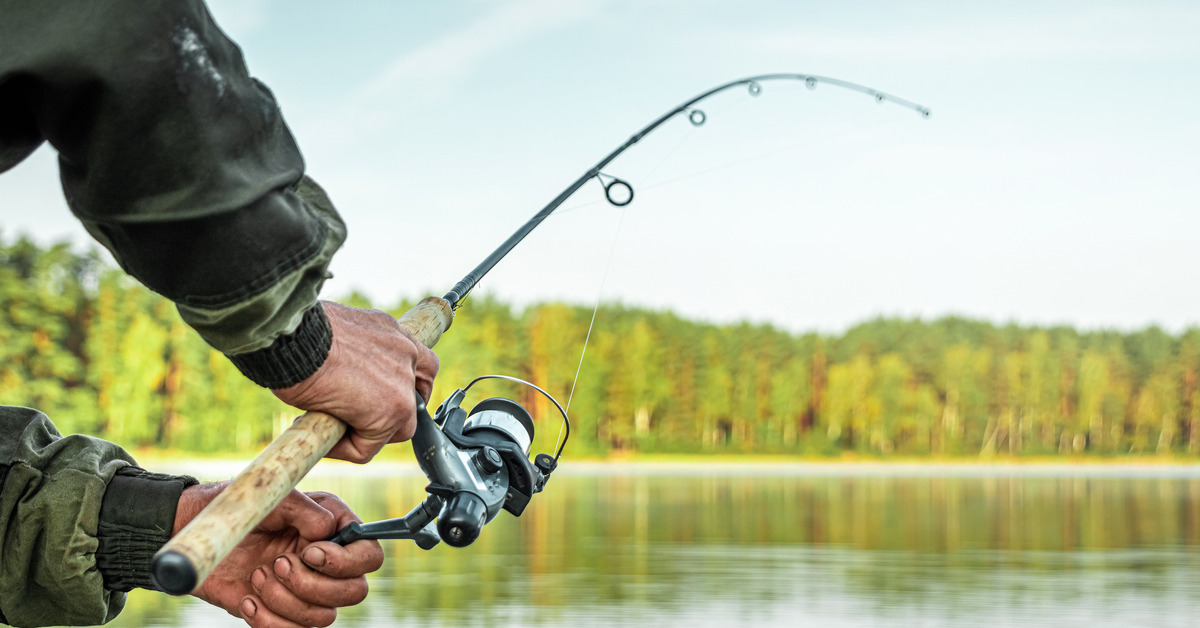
376	560
356	591
382	318
401	405
349	455
366	557
405	430
325	519
361	450
273	594
292	500
330	502
317	616
299	605
325	618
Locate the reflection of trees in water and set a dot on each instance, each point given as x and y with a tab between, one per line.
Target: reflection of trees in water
620	549
663	542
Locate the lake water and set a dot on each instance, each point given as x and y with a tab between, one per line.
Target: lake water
790	545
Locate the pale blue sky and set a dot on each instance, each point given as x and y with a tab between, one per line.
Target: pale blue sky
1054	182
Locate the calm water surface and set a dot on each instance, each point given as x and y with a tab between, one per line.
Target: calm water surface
784	546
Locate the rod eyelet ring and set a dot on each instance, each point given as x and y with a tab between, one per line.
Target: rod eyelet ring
810	82
697	117
619	184
754	88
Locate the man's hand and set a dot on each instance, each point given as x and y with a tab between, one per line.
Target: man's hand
284	574
367	381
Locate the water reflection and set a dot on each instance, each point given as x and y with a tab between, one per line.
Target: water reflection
787	550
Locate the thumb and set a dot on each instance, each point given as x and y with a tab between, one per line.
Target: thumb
299	511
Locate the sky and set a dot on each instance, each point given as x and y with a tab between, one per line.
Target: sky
1054	182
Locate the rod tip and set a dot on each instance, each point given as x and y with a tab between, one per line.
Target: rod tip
173	573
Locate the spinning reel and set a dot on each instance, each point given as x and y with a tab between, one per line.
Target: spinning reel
477	464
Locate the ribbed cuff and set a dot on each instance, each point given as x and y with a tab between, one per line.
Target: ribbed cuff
136	518
292	358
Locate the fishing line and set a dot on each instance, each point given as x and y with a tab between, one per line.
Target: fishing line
599	294
740	102
612	252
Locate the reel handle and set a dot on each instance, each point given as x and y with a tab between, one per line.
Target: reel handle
190	556
462	519
417	525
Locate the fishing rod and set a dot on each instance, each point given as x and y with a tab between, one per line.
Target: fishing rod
624	190
477	462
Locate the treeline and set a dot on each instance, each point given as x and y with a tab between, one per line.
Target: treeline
102	355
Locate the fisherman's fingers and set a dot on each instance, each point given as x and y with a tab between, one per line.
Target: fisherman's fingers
300	512
313	587
277	602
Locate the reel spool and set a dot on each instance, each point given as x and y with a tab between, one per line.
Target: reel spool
477	465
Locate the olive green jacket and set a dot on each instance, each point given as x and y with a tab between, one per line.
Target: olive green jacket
79	523
179	163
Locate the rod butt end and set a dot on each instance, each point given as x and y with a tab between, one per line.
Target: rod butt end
173	572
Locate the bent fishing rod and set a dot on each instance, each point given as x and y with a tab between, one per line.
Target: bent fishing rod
477	462
620	193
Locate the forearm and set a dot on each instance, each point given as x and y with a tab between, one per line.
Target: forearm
271	263
78	523
179	162
137	516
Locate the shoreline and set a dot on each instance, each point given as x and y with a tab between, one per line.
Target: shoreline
695	466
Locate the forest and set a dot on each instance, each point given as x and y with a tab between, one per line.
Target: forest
102	355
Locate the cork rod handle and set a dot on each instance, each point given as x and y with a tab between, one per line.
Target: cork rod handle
190	556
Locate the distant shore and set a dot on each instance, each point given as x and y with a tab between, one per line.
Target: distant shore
694	465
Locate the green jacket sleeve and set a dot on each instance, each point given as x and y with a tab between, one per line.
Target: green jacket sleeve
179	162
79	523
